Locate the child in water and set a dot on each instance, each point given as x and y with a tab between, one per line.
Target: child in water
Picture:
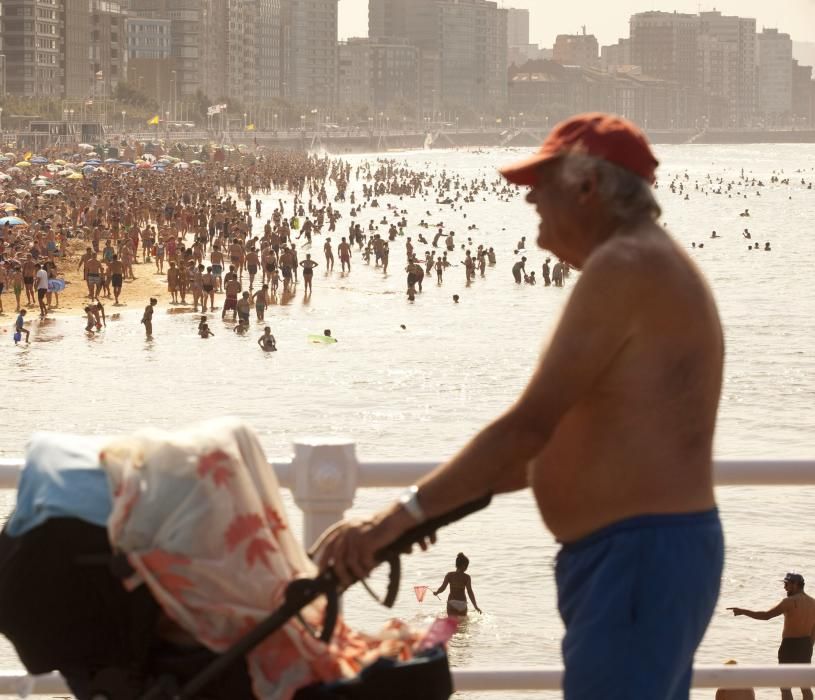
459	583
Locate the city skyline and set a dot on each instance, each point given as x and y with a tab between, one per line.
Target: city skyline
609	22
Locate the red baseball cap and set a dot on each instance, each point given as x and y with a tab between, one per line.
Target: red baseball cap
605	136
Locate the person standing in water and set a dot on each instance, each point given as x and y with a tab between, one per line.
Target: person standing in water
147	319
459	582
797	637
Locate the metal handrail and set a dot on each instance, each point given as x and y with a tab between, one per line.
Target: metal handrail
16	682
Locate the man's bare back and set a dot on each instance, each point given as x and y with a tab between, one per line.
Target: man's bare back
622	450
799	616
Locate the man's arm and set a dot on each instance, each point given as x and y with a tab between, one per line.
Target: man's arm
595	325
758	615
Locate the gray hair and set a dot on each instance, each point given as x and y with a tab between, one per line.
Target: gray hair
625	195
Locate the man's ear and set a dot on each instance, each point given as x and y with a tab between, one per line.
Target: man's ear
589	187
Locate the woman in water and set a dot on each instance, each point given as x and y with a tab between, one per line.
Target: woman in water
459	582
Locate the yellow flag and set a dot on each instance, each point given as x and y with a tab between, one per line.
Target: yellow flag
28	155
250	127
154	120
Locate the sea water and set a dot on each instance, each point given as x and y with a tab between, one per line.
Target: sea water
416	380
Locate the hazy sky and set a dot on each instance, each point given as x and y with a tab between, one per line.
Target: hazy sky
608	20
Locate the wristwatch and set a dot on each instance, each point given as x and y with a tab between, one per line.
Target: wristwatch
409	500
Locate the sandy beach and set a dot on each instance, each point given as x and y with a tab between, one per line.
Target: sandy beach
72	300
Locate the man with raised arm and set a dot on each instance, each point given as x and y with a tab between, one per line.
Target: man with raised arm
798	636
613	432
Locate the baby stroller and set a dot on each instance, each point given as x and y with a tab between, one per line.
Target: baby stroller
68	603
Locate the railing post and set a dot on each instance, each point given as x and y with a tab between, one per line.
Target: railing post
326	474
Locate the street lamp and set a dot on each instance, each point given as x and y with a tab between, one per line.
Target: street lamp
123	121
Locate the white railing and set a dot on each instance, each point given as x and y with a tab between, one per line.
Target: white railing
323	476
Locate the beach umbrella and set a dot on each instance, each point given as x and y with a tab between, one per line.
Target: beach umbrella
10	155
4	177
39	160
75	176
127	164
52	192
60	162
196	162
12	221
93	161
23	164
93	154
8	206
148	156
85	146
143	164
111	160
41	183
88	169
67	171
53	168
14	170
181	166
22	192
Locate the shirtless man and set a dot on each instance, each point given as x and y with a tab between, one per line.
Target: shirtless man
116	270
172	282
252	263
29	271
208	287
308	266
216	257
344	251
231	302
797	638
237	257
93	271
614	431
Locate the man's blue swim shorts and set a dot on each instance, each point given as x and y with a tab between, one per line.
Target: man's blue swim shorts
636	598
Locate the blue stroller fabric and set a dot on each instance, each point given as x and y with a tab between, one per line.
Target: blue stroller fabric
61	478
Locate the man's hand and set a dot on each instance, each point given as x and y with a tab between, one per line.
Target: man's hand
738	611
349	546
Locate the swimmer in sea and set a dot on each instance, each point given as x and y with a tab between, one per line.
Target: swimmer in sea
459	583
267	341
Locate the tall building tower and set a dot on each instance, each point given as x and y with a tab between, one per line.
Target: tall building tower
108	47
774	76
34	48
267	51
193	44
727	53
517	27
463	49
310	52
666	45
77	76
